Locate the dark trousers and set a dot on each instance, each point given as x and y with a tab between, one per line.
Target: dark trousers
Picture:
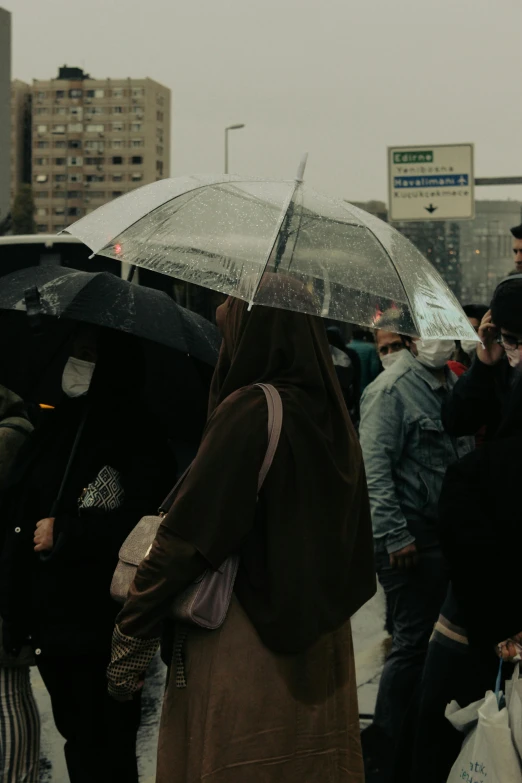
100	733
414	598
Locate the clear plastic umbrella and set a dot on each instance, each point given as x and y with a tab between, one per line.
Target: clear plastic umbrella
231	234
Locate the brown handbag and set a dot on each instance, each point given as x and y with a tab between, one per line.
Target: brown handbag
205	602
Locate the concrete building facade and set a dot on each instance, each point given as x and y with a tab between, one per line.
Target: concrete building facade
94	140
5	113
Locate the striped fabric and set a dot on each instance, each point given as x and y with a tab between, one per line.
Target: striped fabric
450	635
19	727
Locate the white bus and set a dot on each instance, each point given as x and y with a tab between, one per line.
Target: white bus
23	250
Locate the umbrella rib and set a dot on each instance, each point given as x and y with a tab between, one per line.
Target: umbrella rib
277	229
408	300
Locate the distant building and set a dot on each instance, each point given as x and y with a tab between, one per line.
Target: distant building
5	113
486	248
93	140
20	136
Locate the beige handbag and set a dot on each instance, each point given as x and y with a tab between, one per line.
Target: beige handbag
205	602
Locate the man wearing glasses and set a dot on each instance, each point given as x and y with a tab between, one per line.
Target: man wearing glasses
482	394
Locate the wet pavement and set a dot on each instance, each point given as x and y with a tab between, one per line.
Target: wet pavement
369	643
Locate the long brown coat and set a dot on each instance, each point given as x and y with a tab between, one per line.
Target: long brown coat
251	716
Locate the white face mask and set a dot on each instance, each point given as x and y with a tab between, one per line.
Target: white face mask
513	356
469	346
434	353
76	377
390	359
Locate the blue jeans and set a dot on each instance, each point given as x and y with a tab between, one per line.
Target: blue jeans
414	597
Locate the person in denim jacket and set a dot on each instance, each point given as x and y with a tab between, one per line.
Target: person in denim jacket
406	454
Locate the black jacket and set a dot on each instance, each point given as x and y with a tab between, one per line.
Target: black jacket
478	399
481	535
64	603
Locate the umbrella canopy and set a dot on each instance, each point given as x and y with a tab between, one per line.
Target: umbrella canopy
230	233
106	300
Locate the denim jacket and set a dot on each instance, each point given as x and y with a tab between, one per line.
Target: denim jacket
406	452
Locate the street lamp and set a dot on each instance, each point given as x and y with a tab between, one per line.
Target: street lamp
230	127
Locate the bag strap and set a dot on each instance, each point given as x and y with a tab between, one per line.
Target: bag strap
275	423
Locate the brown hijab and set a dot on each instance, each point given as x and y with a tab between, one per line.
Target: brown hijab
306	545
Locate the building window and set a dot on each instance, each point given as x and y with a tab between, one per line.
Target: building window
159	135
136	126
159	116
136	176
117	177
117	144
96	194
42	145
137	143
74	211
60	93
41	161
41	96
95	128
116	193
41	194
58	227
42	228
76	127
41	178
137	110
76	111
41	212
75	161
41	128
138	92
160	100
117	160
75	177
136	160
118	92
58	129
60	145
117	109
75	93
92	110
42	110
159	167
60	161
118	126
60	177
59	211
60	110
95	93
74	144
159	151
95	178
94	144
74	194
94	161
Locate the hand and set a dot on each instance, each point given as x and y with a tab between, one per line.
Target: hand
43	535
130	658
405	558
489	352
511	649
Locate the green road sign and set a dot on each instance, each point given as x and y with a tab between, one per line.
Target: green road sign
413	156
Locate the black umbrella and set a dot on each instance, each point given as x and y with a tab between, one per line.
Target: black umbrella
103	299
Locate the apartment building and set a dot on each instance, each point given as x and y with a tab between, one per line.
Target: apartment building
21	153
94	140
5	103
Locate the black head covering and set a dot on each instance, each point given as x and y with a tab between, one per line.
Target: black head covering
517	231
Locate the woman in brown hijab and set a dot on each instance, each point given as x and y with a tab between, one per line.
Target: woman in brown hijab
270	696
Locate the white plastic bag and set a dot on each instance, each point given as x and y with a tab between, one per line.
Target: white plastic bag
488	754
514	705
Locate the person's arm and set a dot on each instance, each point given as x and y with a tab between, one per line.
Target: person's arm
212	514
382	436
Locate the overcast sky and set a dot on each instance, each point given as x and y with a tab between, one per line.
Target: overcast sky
340	79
